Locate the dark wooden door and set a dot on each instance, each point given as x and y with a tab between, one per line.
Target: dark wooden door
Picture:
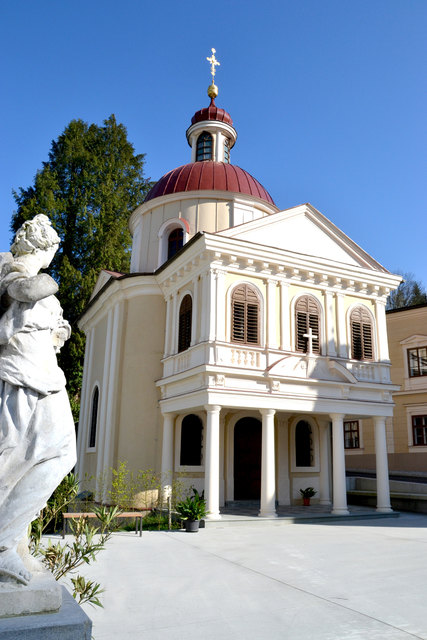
247	459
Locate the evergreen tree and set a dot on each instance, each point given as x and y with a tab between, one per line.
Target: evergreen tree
408	293
89	186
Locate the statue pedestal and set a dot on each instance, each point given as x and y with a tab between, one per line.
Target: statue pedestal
42	610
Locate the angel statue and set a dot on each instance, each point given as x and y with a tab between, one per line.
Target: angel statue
37	436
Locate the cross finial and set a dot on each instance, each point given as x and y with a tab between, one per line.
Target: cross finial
310	337
214	63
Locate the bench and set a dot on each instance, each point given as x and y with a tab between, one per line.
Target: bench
138	515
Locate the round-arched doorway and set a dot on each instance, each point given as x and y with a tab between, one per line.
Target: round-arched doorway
247	459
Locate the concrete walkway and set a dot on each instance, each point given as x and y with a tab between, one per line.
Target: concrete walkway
349	580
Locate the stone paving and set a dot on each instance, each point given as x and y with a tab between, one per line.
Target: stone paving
361	579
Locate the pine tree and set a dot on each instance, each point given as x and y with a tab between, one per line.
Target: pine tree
89	186
407	294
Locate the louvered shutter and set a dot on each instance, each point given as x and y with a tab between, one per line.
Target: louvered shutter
361	334
307	315
245	315
184	330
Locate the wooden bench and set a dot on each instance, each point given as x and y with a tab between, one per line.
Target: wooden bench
138	515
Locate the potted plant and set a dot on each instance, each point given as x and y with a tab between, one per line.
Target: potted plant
307	494
192	509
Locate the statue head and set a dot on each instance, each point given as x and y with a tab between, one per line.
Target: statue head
36	235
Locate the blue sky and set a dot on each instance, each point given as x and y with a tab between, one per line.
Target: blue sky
328	98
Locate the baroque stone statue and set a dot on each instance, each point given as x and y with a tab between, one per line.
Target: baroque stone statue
37	436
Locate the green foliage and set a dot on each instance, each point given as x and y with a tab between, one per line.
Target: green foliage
308	493
89	186
407	294
193	507
62	559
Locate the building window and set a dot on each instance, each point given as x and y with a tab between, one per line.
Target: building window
307	316
175	241
351	434
204	146
417	362
184	329
245	306
191	441
304	453
361	334
94	418
226	151
419	430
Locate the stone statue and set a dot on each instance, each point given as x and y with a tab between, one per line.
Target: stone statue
37	437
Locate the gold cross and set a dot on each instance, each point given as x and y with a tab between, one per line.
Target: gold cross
214	63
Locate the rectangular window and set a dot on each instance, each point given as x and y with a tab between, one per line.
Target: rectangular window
419	430
351	435
417	362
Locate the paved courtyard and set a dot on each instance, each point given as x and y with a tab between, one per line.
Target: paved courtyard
362	579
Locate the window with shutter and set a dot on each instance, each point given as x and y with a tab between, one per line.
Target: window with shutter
185	318
204	146
307	316
245	306
361	334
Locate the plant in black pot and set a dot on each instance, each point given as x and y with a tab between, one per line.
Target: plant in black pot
307	494
192	509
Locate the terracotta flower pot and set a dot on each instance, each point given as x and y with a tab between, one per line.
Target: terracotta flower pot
306	502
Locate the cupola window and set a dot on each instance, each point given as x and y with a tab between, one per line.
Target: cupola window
307	316
226	151
245	315
361	334
204	146
175	241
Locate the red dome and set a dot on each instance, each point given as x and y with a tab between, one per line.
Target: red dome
208	175
212	113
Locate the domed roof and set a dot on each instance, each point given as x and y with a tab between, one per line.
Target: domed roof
208	175
212	113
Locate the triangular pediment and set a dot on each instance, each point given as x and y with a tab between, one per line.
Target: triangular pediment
304	230
102	280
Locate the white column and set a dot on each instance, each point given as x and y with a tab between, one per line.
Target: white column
193	147
342	346
212	306
85	407
195	316
283	484
383	486
212	461
167	451
285	330
381	326
174	325
325	493
168	327
338	466
271	314
329	322
220	305
268	471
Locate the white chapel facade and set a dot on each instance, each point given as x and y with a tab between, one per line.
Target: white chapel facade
242	346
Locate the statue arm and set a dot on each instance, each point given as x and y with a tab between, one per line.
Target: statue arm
32	289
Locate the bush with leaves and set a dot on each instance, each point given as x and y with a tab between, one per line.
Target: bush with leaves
89	540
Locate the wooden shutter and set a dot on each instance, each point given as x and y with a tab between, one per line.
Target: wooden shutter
361	334
245	315
185	316
307	315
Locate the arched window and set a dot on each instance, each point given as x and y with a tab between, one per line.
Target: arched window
226	151
93	418
245	312
175	241
191	441
184	329
361	334
307	316
304	450
204	146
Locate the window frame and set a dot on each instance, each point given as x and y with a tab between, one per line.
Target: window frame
204	151
352	430
363	310
299	299
185	330
247	314
316	446
414	417
178	431
408	351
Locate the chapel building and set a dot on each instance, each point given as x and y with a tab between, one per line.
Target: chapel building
241	345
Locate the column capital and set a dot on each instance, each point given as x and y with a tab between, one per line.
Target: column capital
337	416
168	414
267	412
212	408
